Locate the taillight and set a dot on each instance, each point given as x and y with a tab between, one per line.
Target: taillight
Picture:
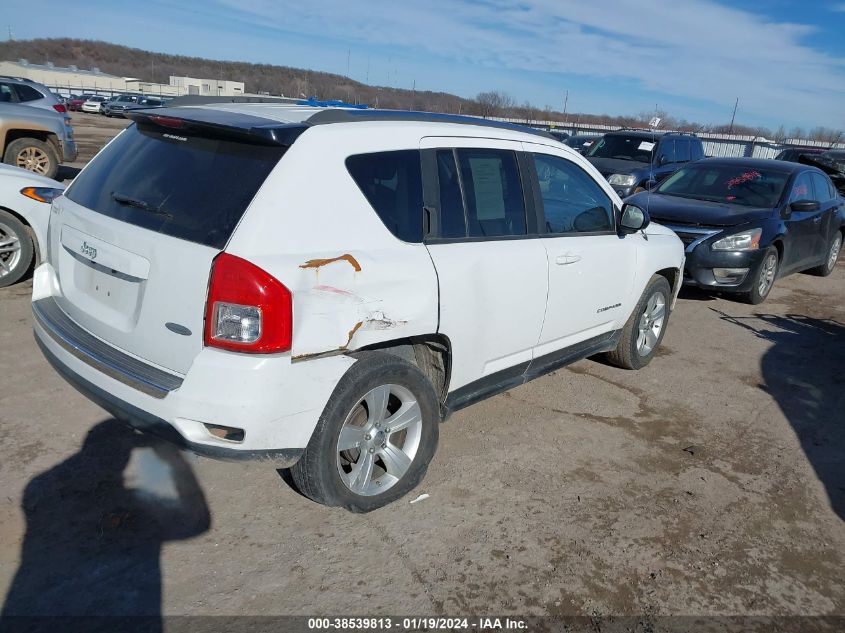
248	310
59	108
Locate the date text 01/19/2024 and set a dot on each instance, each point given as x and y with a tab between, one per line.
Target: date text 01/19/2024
417	623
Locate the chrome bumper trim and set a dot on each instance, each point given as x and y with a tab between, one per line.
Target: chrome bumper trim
101	356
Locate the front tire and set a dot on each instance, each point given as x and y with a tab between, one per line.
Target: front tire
16	249
375	438
832	254
645	328
764	277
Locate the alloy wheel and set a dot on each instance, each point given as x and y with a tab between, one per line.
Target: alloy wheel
834	252
651	324
10	250
767	274
33	159
379	439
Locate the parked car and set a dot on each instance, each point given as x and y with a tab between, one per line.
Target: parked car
36	139
74	102
581	143
559	135
632	159
747	222
792	154
94	104
144	102
333	333
25	200
28	92
116	106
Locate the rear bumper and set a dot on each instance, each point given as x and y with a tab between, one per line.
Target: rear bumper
149	423
274	402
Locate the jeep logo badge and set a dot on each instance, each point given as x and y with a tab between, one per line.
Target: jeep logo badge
88	251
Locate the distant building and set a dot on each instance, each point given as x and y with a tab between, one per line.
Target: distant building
73	79
207	87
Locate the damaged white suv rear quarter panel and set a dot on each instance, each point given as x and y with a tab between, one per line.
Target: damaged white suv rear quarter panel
354	283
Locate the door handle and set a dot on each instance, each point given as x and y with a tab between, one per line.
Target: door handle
569	258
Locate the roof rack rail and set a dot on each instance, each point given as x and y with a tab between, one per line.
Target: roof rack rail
338	115
204	100
654	131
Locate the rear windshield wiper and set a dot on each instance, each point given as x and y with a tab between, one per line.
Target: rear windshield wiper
129	201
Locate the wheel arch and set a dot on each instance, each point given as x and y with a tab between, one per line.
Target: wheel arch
430	353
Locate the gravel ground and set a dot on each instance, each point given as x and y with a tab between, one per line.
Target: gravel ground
710	483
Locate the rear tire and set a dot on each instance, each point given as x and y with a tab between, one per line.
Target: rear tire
645	328
831	255
764	277
36	156
357	449
16	249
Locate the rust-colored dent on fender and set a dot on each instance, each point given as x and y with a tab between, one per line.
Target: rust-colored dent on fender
352	333
319	263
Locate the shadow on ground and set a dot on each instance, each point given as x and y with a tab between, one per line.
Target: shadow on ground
95	528
804	371
67	173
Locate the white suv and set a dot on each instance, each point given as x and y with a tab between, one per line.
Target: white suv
322	287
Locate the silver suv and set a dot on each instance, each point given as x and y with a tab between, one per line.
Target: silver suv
28	92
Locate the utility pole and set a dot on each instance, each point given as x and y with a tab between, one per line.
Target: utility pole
565	103
348	60
731	131
367	81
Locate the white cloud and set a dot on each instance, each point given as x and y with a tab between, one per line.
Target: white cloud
694	50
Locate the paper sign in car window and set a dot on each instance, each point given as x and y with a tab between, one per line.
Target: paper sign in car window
488	187
646	146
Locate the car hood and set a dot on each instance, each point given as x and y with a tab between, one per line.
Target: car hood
27	178
608	166
672	209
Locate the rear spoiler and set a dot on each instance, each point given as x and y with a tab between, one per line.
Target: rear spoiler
219	124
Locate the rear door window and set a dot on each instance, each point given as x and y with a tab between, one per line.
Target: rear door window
495	205
191	187
682	151
821	187
452	214
392	184
27	93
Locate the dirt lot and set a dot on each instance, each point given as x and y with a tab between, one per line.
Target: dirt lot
711	482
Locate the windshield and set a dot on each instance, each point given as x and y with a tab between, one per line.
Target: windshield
730	184
635	148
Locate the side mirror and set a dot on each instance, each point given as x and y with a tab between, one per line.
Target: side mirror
805	206
633	219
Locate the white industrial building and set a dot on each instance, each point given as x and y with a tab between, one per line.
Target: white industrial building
73	80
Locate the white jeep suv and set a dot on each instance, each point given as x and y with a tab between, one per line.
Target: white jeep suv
322	287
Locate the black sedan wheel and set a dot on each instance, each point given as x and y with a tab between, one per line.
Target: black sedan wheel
831	255
764	278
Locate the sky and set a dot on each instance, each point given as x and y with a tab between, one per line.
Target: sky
783	59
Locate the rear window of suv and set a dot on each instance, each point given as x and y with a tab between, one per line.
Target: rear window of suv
190	187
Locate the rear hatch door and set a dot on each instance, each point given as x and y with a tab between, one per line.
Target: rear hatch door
134	237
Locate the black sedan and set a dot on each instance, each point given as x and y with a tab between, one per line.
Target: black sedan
747	222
